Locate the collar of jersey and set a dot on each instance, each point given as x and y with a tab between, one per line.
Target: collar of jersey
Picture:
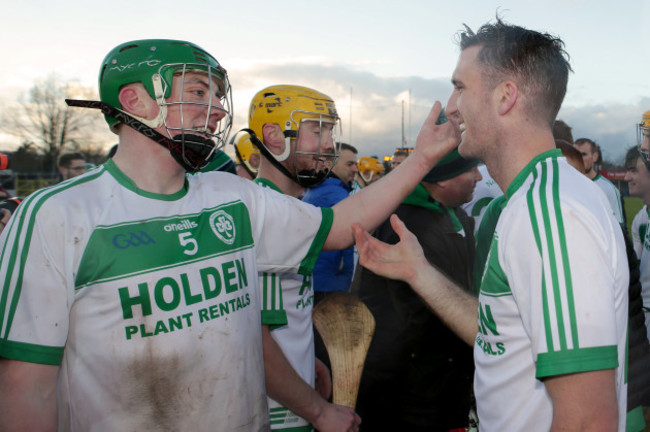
523	174
125	181
267	183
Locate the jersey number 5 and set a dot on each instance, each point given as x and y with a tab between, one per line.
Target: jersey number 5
190	244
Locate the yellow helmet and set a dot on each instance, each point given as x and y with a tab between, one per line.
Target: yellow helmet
643	134
289	106
368	167
244	149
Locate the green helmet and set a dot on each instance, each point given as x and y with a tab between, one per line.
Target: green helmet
153	63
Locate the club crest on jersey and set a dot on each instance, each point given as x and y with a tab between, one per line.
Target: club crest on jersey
223	226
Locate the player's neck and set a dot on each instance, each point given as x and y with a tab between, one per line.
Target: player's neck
592	173
285	184
149	165
511	160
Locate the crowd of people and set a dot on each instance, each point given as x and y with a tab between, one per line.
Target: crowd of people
172	289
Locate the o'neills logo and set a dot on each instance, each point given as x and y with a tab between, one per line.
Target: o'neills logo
223	226
183	225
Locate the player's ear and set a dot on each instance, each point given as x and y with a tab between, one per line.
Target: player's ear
273	138
508	94
135	100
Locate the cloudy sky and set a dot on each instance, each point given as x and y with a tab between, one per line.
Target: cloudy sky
384	63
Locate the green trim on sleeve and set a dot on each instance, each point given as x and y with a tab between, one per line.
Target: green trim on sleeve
31	353
307	265
577	360
274	318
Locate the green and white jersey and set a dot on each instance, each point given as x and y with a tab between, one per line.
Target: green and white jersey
613	196
553	299
639	229
150	303
296	337
641	233
484	192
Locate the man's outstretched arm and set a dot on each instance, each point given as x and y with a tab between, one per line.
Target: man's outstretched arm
405	261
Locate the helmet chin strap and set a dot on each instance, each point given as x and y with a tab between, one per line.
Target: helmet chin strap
305	178
192	152
366	180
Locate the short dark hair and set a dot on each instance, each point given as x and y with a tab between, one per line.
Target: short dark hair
631	157
595	148
344	146
562	131
570	152
537	60
400	153
65	158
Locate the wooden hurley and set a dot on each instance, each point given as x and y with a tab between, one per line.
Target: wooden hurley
346	326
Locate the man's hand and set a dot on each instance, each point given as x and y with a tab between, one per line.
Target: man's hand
405	261
401	261
435	141
337	418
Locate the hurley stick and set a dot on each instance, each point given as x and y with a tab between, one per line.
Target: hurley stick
346	326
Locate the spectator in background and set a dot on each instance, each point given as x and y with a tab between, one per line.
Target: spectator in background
71	165
369	170
333	269
408	382
638	178
591	155
398	158
562	131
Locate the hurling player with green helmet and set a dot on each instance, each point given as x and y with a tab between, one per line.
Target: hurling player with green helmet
130	297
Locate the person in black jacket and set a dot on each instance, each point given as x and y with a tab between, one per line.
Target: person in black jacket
418	373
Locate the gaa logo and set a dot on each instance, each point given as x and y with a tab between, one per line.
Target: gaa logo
223	226
133	239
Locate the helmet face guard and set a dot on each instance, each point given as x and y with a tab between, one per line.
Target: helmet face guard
321	159
294	109
370	165
196	143
643	138
154	63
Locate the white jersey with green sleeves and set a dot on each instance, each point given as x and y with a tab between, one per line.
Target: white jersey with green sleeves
641	230
150	303
485	191
553	299
296	338
613	196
